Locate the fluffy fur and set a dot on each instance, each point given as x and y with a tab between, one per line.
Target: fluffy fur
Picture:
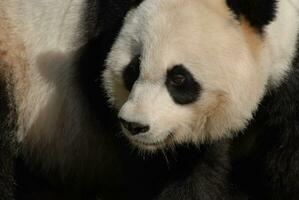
267	158
241	54
8	146
230	92
188	172
7	141
175	32
46	45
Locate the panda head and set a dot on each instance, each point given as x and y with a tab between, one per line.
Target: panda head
186	71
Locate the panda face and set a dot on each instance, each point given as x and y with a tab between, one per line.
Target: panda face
184	71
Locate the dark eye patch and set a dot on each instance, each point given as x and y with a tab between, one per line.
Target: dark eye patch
182	86
131	72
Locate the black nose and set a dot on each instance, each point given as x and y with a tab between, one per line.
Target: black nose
134	128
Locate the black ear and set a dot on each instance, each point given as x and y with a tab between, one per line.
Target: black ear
258	12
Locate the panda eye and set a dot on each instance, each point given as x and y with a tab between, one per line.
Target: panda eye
178	79
131	73
182	86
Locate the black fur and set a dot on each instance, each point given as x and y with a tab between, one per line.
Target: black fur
7	139
102	22
131	73
268	168
258	12
185	92
186	173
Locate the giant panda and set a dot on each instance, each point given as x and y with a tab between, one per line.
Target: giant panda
187	77
56	128
227	52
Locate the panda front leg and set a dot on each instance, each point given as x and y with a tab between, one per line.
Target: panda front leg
282	172
270	170
207	180
278	162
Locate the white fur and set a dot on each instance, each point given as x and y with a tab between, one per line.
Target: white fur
48	29
55	128
229	59
281	38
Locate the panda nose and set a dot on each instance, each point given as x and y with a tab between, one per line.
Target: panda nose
134	128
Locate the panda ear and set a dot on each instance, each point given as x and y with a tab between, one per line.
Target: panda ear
258	12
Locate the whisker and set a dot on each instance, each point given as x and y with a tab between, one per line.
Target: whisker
166	159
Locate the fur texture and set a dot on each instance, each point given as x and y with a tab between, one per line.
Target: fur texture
8	145
240	62
59	128
8	125
205	49
267	154
235	52
186	173
268	168
167	34
164	35
258	12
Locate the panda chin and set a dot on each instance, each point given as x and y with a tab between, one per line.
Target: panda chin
153	146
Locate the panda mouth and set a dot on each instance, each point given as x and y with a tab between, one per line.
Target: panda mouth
158	144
